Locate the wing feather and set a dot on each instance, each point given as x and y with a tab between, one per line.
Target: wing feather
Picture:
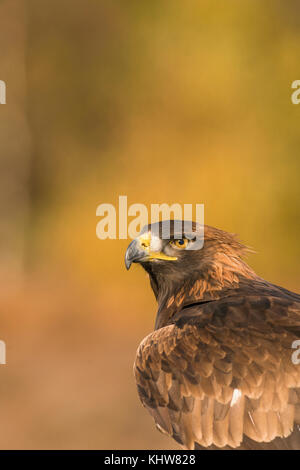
213	384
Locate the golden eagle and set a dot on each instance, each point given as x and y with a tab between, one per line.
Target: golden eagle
218	370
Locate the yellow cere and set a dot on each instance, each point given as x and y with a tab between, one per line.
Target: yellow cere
145	241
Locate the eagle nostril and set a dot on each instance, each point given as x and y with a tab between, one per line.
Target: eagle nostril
145	243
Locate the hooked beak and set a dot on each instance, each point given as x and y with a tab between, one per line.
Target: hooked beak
143	249
134	253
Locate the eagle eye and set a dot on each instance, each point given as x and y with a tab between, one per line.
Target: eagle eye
181	243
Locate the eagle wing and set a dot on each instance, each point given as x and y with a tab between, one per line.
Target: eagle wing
223	372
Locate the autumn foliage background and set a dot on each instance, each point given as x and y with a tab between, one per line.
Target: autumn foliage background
162	101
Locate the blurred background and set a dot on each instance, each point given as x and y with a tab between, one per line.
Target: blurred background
162	101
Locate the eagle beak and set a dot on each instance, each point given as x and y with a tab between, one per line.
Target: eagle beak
140	249
134	254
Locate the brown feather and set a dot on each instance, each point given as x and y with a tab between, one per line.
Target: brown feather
217	371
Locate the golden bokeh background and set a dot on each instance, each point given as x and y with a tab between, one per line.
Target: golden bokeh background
162	101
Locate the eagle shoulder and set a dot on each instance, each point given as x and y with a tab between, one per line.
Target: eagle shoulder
222	372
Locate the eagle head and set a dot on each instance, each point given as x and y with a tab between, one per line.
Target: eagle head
187	262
